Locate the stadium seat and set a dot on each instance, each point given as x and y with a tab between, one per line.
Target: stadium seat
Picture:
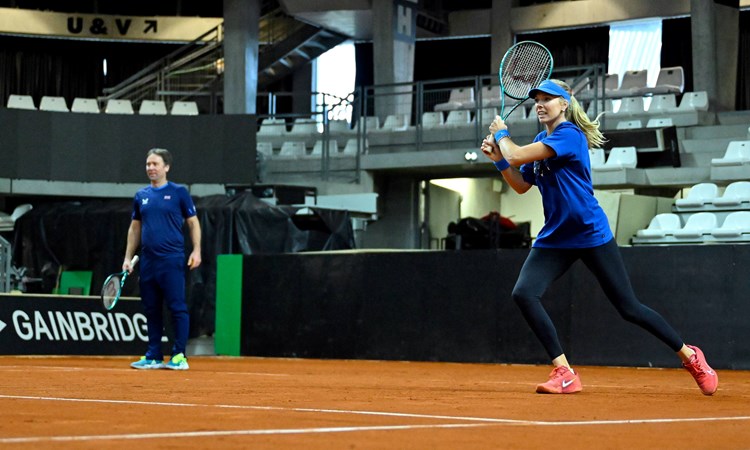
152	108
118	106
663	104
736	226
458	118
671	80
735	195
491	96
661	225
460	98
20	102
633	82
272	127
596	156
697	225
432	119
395	122
292	150
56	104
371	123
265	148
85	105
737	154
317	150
600	106
339	127
487	115
699	195
631	106
611	84
629	125
694	101
659	122
75	282
183	108
304	127
620	158
350	149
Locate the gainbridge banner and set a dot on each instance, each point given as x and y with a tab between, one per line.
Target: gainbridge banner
70	325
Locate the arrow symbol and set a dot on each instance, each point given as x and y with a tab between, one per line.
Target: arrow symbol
2	325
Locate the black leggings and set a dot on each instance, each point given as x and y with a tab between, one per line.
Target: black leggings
545	265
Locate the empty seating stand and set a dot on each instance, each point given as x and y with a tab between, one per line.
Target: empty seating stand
153	108
619	169
736	228
661	227
633	83
460	98
735	164
671	80
118	106
85	105
56	104
21	102
184	108
699	196
665	229
735	196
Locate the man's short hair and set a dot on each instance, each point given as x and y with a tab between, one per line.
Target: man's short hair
163	152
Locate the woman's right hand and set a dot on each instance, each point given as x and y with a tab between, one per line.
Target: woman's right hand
490	149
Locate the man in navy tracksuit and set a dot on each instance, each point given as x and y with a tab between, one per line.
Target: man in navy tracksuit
159	212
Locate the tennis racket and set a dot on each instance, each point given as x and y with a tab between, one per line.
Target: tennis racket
524	66
112	288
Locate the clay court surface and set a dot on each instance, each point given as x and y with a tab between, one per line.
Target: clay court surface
234	403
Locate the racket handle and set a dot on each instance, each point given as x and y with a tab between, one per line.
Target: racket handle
134	261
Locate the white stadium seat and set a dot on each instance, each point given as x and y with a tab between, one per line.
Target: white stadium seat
118	106
56	104
183	108
20	102
152	108
85	105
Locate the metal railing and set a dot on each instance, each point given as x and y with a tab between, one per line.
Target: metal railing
196	68
372	106
5	265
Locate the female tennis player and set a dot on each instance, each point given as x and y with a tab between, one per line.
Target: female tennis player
575	227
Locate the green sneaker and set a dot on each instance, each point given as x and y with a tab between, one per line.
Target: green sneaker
145	363
178	362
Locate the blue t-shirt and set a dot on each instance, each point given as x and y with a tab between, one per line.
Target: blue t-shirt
572	215
162	212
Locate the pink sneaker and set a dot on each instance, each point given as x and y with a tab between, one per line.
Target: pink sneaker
704	375
561	381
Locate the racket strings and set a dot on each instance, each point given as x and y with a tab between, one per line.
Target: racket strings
110	291
525	68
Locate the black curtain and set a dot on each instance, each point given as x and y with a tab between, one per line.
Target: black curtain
677	47
743	64
70	68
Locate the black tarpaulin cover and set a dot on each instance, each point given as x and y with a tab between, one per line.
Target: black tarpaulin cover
91	235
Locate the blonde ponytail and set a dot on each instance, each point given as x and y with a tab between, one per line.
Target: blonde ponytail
578	116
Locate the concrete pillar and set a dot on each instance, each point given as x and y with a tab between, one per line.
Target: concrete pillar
715	37
501	32
241	25
394	39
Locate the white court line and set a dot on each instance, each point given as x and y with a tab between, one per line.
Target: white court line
261	408
485	421
489	420
193	434
124	369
